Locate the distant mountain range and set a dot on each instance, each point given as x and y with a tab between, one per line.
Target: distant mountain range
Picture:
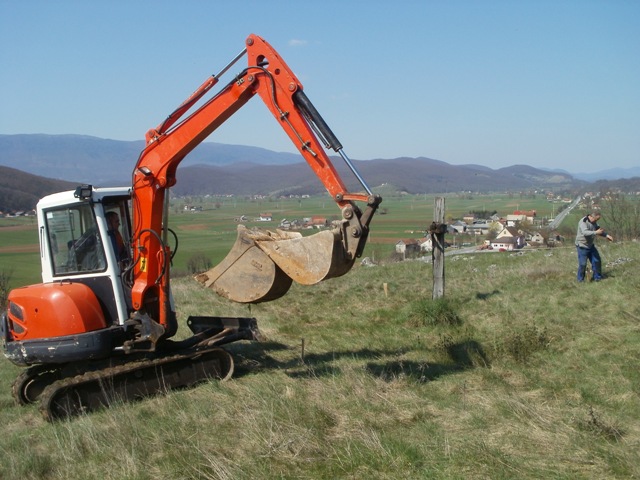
608	174
214	168
110	162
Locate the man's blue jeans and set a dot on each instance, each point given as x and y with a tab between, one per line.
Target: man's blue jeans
585	255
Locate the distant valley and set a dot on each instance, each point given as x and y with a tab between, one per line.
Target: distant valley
218	169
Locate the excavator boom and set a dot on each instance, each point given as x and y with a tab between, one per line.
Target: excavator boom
262	264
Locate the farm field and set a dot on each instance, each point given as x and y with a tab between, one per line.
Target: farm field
210	229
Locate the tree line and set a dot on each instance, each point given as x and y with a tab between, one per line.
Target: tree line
622	214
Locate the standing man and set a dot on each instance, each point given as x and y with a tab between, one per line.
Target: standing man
588	229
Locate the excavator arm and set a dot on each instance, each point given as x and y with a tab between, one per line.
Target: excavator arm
262	264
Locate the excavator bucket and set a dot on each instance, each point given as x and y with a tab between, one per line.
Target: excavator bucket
262	264
309	260
247	274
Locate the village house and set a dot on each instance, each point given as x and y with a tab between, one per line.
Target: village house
536	238
426	244
408	246
457	227
192	208
504	243
513	220
469	218
316	221
479	228
516	238
529	215
285	224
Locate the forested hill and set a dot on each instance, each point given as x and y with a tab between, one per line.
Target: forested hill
21	191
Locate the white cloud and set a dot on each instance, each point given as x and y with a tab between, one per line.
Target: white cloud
297	43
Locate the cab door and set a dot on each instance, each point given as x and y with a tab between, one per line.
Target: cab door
74	248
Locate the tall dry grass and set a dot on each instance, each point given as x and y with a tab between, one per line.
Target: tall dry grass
519	372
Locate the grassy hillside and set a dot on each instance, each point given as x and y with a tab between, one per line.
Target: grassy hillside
519	372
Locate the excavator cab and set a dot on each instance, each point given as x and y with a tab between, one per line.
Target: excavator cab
78	244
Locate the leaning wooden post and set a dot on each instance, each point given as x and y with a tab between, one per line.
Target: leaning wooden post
438	229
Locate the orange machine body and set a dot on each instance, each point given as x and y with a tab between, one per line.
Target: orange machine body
53	310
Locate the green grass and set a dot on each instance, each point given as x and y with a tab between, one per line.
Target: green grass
23	268
519	372
21	235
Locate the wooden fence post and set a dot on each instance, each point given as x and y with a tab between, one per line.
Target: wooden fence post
438	230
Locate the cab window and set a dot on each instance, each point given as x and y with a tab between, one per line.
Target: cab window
74	240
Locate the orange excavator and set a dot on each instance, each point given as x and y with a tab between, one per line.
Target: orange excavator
99	327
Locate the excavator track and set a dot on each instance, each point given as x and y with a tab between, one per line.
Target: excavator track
93	390
28	386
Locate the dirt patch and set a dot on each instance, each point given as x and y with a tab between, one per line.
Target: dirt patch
17	228
35	248
197	226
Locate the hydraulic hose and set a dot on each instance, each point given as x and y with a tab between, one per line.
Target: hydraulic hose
303	103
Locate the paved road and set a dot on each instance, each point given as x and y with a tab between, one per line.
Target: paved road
561	216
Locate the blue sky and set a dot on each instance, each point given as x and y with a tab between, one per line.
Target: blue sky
552	84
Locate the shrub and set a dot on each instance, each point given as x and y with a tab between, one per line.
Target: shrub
198	262
596	425
441	311
5	278
522	343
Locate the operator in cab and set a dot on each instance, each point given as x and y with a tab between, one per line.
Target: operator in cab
117	242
